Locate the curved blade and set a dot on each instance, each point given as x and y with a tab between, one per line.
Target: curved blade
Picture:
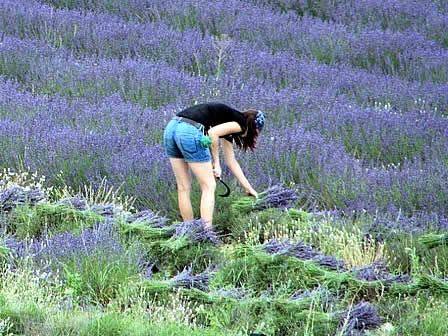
227	193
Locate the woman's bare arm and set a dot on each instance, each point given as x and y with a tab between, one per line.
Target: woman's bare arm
235	168
214	133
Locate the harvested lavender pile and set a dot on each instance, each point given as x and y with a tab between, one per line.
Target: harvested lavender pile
361	317
75	202
196	231
12	197
326	298
303	252
107	209
148	217
277	196
148	224
232	293
186	279
379	271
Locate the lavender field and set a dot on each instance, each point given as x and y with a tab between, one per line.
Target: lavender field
355	95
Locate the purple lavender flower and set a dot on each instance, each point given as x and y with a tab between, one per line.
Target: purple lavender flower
14	196
107	209
303	252
49	253
234	293
186	279
276	196
196	231
361	317
76	202
378	270
149	217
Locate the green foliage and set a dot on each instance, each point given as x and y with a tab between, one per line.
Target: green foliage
177	329
100	274
414	316
433	260
271	316
29	222
115	324
68	323
259	226
4	251
174	254
431	240
144	231
24	316
253	269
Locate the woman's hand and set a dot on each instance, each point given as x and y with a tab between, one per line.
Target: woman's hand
217	171
252	192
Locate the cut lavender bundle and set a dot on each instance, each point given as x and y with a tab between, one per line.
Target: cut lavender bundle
361	317
12	197
276	196
196	231
148	232
75	202
233	293
303	252
149	217
107	209
186	279
330	262
378	270
326	298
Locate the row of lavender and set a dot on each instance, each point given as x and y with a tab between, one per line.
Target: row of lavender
123	150
406	54
370	134
279	71
386	52
428	17
329	176
395	15
106	36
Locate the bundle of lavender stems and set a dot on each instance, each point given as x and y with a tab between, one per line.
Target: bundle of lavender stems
76	202
148	217
186	279
14	196
276	196
361	317
304	252
196	231
378	270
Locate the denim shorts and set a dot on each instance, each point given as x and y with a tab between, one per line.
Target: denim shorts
182	141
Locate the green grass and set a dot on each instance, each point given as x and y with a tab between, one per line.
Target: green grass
33	221
103	293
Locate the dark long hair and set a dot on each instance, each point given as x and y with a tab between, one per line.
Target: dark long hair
250	140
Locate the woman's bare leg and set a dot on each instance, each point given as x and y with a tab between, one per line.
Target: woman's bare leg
183	180
204	174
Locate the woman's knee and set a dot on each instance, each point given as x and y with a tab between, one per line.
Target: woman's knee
184	188
208	185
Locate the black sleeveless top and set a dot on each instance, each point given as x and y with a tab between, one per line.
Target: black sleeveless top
214	113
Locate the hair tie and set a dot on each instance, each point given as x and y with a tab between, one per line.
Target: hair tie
259	120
